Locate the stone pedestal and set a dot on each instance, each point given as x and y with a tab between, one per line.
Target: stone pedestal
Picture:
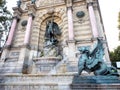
72	63
95	83
71	51
57	82
24	59
45	64
36	82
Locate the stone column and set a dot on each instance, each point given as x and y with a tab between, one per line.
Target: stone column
17	14
12	31
71	39
28	30
93	20
9	40
70	23
95	29
24	57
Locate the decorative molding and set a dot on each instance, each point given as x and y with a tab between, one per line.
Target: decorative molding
25	46
71	41
49	3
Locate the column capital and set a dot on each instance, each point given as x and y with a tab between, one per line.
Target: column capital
69	3
16	17
88	1
70	7
31	14
31	9
17	12
89	4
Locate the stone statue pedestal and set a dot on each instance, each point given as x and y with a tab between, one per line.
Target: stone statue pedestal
95	83
45	64
51	51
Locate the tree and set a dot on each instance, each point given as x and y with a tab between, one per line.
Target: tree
115	55
5	22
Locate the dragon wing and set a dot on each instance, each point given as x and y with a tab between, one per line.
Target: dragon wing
98	50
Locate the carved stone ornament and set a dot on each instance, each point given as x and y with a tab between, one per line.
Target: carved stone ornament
24	23
80	14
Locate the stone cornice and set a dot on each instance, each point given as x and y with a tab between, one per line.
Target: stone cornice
25	46
71	41
91	3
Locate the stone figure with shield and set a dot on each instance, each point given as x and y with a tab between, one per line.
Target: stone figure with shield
51	41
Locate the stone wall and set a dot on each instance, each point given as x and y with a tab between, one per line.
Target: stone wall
57	82
36	82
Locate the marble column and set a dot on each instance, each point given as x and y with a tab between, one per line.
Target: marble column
28	30
70	23
12	31
71	41
93	20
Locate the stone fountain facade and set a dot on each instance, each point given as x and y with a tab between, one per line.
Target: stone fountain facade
27	64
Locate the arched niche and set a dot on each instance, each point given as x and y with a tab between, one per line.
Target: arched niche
57	20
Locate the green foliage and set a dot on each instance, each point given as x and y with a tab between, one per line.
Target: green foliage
5	21
115	55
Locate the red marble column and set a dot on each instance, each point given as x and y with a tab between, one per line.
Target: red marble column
28	30
12	31
93	20
70	23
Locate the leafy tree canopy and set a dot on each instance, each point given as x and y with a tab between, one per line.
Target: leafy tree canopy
5	19
115	55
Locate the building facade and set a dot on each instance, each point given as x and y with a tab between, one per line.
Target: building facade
29	50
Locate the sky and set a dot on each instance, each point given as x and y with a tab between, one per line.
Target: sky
109	11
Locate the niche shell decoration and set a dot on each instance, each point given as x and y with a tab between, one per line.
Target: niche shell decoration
80	14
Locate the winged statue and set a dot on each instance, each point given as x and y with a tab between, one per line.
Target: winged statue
91	60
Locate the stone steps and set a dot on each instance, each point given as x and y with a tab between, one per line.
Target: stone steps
55	82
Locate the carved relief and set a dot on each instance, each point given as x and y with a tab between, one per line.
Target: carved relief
48	2
24	5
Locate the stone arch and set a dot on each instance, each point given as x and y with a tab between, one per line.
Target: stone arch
43	28
44	18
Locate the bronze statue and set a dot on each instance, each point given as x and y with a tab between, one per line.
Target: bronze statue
19	3
33	1
92	60
52	30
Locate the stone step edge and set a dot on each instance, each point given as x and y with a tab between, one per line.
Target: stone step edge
33	83
30	75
